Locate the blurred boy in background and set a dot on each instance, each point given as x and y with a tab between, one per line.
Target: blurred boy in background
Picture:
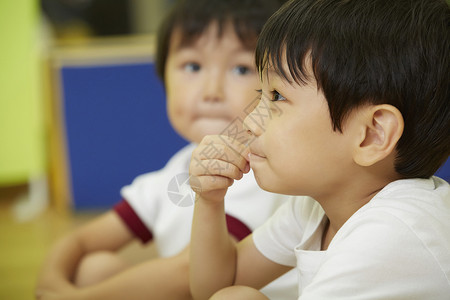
206	59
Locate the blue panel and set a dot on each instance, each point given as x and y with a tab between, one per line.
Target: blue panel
444	171
117	128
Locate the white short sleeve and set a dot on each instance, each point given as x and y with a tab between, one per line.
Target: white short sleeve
292	224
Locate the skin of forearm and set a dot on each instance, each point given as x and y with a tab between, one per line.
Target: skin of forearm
159	279
162	278
213	253
60	264
106	232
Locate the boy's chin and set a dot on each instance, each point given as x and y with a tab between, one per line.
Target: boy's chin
260	180
265	183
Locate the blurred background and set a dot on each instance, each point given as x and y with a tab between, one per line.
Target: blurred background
81	114
79	107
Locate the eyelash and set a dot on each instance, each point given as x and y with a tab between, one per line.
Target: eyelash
241	70
275	95
188	67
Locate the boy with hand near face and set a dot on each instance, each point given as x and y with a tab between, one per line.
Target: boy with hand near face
360	122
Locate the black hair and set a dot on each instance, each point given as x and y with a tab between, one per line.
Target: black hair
192	17
372	52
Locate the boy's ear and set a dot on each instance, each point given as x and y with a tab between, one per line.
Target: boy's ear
381	126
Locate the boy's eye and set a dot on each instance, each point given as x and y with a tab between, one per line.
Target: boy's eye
277	96
241	70
192	67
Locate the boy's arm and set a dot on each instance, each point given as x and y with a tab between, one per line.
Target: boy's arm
252	268
215	261
213	253
106	232
159	279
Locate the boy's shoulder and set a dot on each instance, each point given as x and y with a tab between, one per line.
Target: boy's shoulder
432	193
406	227
178	165
407	215
412	201
181	158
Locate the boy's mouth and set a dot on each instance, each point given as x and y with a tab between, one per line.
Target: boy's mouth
255	153
214	121
257	156
212	112
212	117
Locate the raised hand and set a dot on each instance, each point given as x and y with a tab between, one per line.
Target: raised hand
215	164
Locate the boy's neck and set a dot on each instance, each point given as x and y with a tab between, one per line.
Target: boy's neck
349	196
340	209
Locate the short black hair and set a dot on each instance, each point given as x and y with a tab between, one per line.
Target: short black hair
372	52
192	17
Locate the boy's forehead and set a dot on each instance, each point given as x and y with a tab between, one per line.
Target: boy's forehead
278	68
180	39
271	74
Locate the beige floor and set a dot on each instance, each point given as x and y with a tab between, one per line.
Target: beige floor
23	245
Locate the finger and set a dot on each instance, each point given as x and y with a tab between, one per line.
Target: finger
218	141
215	148
241	150
202	184
215	167
235	144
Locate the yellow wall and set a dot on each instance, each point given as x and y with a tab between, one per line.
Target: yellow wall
21	107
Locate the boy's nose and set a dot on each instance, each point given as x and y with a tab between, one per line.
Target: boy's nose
214	87
252	123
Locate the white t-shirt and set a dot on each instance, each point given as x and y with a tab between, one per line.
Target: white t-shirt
149	209
395	247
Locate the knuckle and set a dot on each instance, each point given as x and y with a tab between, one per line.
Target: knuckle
236	173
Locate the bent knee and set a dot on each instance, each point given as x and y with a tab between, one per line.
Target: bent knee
97	267
239	293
